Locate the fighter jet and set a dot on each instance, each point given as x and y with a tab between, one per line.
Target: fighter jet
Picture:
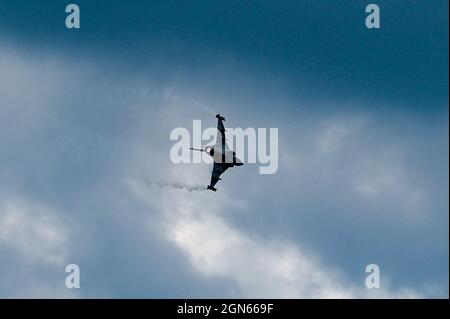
223	157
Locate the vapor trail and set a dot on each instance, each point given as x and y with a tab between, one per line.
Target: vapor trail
177	185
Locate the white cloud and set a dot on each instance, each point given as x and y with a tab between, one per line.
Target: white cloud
382	179
195	223
362	158
35	242
335	134
259	267
198	225
33	230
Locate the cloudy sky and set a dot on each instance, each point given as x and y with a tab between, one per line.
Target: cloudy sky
85	120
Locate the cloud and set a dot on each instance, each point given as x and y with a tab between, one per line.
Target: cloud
264	268
383	178
258	267
361	157
334	136
90	148
35	245
33	230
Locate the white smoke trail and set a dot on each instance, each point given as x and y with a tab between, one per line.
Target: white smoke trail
177	185
183	186
206	108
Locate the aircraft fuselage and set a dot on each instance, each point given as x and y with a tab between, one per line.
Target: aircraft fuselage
223	156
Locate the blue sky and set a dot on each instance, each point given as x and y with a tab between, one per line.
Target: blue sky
85	118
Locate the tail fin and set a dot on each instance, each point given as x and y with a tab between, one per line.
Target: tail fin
220	117
211	188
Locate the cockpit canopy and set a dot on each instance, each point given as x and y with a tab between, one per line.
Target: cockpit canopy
209	150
